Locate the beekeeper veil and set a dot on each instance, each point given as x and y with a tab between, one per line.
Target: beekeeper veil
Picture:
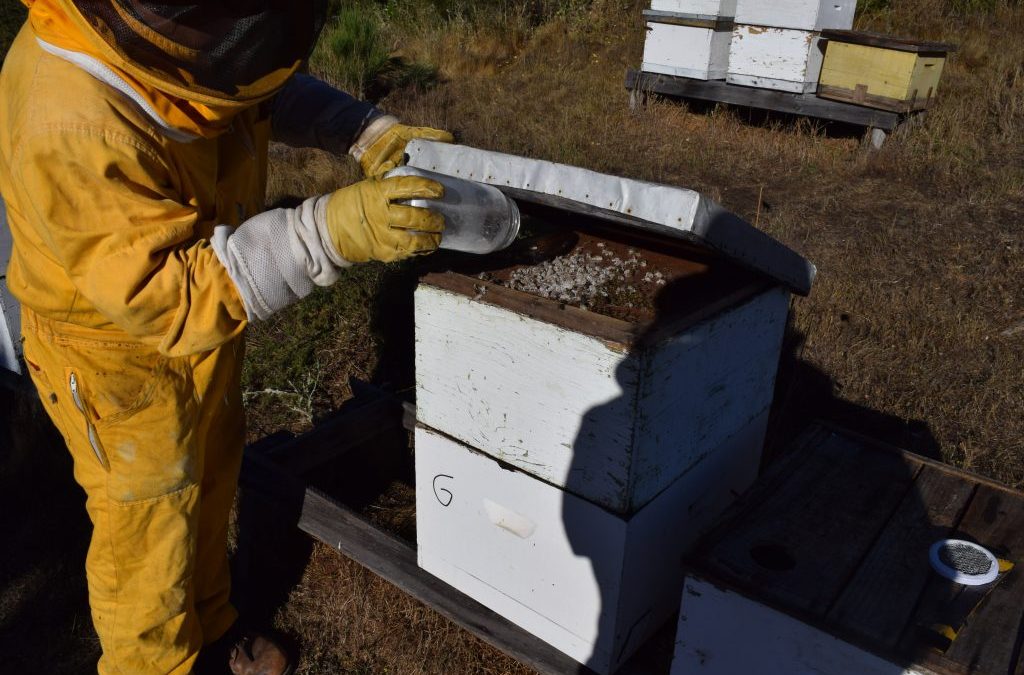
214	52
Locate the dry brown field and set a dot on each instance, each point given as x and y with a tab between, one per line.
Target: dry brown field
913	333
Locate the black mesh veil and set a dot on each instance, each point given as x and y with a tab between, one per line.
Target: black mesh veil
218	47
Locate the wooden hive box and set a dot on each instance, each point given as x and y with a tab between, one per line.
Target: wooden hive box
687	45
611	403
775	58
592	583
801	14
709	8
824	568
881	72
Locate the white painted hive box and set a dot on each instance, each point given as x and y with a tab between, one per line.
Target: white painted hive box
803	14
593	584
576	400
712	8
775	58
687	46
613	404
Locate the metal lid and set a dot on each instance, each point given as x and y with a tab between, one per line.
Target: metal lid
667	210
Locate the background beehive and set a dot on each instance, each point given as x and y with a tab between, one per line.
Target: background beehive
797	14
881	72
687	46
785	59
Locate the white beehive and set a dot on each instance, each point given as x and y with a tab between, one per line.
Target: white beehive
803	14
775	58
567	455
699	50
591	583
717	8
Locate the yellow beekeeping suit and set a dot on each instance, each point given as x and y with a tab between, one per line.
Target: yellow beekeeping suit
133	328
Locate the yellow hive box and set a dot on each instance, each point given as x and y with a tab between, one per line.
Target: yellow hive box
882	72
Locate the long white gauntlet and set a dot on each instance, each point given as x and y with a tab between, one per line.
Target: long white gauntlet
278	257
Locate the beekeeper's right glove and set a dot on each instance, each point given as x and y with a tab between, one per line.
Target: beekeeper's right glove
278	257
364	222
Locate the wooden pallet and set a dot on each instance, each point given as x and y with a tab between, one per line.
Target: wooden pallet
276	472
878	122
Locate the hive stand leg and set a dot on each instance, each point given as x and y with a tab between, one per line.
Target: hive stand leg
876	137
638	100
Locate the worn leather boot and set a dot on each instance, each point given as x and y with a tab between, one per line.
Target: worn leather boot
255	654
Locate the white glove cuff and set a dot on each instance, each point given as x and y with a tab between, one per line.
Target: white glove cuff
371	134
278	257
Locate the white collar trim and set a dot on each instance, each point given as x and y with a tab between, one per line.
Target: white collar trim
104	74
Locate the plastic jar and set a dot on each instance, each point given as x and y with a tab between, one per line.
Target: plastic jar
478	218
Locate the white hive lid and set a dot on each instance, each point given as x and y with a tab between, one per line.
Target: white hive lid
664	209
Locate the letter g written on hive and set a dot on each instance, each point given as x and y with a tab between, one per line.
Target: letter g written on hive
444	495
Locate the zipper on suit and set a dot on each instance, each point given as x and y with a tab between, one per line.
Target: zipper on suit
94	441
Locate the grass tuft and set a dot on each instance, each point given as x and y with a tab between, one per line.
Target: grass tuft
356	53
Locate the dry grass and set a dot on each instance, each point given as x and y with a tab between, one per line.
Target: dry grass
916	318
353	622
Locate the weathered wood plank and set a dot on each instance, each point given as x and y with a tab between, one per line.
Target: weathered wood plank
882	595
709	21
798	546
797	104
987	641
827	427
861	97
883	41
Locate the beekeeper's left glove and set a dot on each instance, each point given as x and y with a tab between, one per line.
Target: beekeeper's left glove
381	146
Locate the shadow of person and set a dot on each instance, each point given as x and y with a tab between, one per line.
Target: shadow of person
636	590
45	624
805	392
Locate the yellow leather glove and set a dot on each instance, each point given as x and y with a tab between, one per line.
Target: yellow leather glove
365	224
382	149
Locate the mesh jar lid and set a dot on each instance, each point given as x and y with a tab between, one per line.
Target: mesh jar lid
964	562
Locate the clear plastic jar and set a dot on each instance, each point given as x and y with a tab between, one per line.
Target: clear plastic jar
478	218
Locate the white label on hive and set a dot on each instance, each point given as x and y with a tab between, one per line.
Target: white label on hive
509	520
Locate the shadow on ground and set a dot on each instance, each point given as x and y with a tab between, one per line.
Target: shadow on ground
45	626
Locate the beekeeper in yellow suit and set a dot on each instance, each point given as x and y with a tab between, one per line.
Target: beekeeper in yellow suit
133	157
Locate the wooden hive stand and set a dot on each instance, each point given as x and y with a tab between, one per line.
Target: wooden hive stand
878	123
